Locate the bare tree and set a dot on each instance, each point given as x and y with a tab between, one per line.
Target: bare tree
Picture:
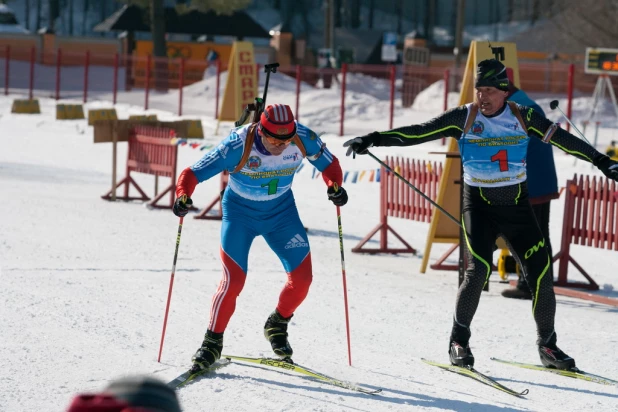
103	10
38	15
70	17
53	11
27	14
536	11
399	14
355	8
85	15
157	29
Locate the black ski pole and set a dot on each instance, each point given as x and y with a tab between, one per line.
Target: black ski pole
415	189
554	105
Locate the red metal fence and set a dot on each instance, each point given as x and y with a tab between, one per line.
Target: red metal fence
590	219
399	200
149	82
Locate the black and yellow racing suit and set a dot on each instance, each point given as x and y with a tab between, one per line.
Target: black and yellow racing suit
490	212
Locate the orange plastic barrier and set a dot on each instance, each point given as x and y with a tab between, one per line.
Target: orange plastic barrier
150	152
590	219
399	200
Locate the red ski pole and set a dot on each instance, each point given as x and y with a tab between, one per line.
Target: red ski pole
169	293
345	286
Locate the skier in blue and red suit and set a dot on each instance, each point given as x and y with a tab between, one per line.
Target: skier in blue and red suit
262	159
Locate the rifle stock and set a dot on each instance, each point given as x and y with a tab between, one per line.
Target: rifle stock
258	106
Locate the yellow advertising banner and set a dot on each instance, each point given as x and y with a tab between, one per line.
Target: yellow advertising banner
442	229
241	86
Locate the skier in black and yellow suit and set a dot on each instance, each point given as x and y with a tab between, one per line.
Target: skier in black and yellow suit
493	137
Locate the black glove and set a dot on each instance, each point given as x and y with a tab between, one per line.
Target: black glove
182	205
359	145
608	166
338	196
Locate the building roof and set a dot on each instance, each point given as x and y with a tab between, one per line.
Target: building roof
132	18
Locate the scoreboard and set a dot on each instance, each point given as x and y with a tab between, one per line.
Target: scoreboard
602	61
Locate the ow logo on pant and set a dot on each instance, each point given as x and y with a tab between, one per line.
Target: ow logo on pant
534	249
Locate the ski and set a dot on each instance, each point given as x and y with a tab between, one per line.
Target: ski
187	377
288	365
571	373
476	375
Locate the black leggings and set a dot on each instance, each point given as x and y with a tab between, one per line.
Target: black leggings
506	212
541	212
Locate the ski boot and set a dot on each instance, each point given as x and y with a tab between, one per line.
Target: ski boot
461	355
553	357
275	331
517	293
521	291
209	353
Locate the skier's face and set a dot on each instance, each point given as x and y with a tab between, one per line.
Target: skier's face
274	146
490	99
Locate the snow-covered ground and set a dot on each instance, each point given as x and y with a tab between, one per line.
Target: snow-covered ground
83	283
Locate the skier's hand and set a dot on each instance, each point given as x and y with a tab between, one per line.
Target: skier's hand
359	145
608	166
182	205
337	195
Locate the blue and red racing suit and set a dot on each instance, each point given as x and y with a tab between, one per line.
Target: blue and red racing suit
258	201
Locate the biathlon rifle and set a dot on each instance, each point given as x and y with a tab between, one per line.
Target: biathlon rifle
257	107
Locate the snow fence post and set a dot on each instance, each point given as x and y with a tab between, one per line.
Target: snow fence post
181	83
570	94
147	86
86	70
115	82
7	66
58	64
32	57
393	76
344	72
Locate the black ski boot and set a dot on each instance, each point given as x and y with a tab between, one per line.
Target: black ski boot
517	293
553	357
461	355
276	331
209	353
521	291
